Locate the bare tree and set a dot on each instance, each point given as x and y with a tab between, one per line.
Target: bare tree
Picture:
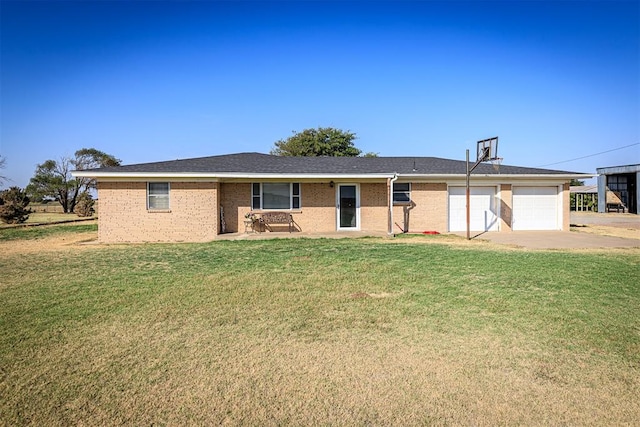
3	162
53	178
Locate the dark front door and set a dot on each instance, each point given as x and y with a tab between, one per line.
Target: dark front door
347	206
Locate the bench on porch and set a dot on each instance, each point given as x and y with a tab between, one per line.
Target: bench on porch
271	218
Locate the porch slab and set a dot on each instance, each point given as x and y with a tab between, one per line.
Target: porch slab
300	234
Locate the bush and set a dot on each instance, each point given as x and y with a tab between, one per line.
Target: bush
13	206
84	206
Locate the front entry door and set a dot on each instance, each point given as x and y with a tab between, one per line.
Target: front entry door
348	204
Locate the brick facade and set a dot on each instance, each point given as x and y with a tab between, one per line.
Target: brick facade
318	211
192	217
427	211
506	207
566	203
194	214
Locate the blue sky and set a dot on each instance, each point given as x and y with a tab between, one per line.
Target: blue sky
149	81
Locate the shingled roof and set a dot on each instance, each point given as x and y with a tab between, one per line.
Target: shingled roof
257	163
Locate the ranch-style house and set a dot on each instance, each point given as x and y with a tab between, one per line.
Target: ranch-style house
195	200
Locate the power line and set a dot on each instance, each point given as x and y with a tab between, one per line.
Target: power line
590	155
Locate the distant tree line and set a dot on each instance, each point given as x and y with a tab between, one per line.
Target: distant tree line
52	181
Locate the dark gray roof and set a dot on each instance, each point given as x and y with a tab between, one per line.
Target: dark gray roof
257	163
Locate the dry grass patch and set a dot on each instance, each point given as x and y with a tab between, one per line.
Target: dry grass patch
319	331
605	230
33	240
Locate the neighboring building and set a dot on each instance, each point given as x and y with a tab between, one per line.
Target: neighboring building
622	183
182	200
584	198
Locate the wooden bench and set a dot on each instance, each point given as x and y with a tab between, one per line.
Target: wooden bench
615	206
270	218
614	202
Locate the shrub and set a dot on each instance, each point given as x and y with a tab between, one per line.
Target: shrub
13	206
84	206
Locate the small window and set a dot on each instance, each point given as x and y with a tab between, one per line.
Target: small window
401	193
295	195
275	196
158	196
255	196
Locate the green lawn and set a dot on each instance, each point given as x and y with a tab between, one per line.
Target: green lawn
303	332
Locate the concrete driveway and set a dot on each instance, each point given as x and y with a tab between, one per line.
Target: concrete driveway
578	238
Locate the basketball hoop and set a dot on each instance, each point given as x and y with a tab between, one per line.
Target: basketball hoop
487	150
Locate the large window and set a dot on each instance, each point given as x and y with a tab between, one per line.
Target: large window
618	184
401	193
158	196
275	195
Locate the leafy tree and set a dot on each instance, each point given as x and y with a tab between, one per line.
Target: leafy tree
319	142
13	206
576	183
53	178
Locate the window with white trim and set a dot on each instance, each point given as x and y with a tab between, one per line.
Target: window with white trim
275	195
158	196
401	193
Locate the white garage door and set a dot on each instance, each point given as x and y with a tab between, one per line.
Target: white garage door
535	208
484	214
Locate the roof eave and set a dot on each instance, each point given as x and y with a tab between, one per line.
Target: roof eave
226	175
235	175
502	175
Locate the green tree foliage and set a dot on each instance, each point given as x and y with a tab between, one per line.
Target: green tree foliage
52	179
13	206
319	142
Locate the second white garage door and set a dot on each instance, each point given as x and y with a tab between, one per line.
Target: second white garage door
484	214
535	208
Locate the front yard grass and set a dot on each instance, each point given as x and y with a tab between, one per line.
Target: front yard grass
303	332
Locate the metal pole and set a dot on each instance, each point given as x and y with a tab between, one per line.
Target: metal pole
468	200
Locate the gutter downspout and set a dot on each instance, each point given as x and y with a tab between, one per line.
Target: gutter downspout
390	182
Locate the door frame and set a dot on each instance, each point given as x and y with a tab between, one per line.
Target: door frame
357	188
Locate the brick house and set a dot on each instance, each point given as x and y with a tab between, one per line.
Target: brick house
182	200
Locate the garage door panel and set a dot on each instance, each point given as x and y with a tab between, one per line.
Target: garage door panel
535	208
483	213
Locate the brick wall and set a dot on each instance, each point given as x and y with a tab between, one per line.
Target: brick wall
428	211
235	199
194	213
124	217
318	212
374	213
566	207
506	207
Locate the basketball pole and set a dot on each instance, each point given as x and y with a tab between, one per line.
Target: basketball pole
485	155
468	200
469	170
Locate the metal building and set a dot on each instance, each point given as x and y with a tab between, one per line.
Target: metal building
622	183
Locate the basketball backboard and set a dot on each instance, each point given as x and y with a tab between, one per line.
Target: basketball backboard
487	150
